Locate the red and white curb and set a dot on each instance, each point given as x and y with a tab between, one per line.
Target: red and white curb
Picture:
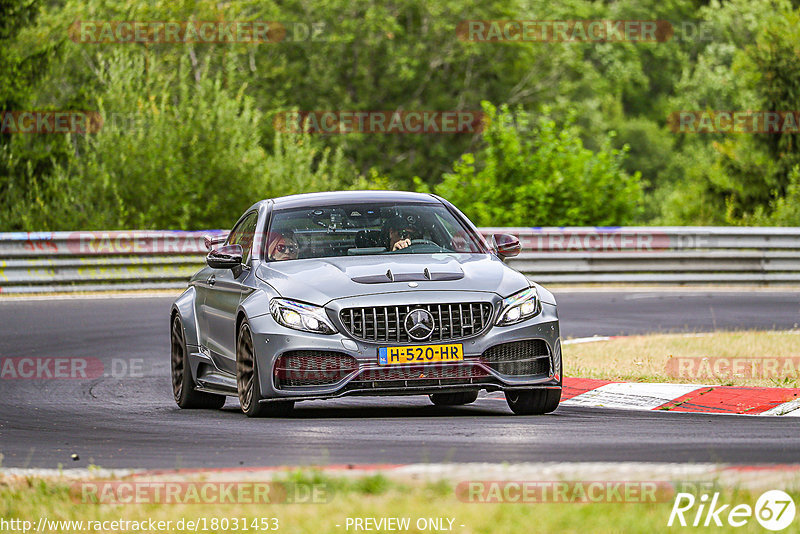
692	398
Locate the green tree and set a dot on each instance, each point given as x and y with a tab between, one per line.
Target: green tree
22	158
174	152
532	172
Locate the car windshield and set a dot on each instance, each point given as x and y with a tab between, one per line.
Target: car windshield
365	229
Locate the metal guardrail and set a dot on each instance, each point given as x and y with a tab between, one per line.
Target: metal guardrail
92	261
96	261
658	255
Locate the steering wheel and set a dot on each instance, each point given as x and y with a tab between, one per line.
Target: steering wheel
413	243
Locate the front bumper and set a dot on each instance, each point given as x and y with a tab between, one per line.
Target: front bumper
272	340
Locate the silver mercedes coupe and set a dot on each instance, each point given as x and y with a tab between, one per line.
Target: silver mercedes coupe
326	295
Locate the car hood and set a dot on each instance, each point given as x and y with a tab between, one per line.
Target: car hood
318	281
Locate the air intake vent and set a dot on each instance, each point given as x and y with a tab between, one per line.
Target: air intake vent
520	358
312	368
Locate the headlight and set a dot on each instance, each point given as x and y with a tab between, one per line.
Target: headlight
301	316
518	307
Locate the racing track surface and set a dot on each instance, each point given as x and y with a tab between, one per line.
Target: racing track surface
133	422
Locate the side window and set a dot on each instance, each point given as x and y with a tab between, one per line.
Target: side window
243	235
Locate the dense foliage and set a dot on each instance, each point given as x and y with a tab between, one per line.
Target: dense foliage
576	133
533	173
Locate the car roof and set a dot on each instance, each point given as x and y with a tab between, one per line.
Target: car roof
328	198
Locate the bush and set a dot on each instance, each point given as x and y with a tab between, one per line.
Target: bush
176	150
532	172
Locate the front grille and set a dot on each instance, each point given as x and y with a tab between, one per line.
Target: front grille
386	323
428	375
519	358
312	368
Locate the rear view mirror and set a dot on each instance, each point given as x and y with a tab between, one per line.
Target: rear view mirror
507	246
227	257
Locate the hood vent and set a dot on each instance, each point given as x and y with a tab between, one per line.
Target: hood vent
425	275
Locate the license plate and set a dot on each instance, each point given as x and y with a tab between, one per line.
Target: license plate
420	354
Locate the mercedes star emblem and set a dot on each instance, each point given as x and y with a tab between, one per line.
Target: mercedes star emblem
419	324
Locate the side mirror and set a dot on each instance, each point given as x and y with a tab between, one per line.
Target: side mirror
210	241
227	257
507	246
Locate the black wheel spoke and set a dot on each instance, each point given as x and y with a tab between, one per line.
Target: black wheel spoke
178	357
244	369
184	388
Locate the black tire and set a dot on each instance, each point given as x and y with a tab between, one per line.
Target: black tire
183	385
454	399
247	382
533	401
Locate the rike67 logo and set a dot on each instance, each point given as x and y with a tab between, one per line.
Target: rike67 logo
774	510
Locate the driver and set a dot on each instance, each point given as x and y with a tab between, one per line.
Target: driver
398	233
282	246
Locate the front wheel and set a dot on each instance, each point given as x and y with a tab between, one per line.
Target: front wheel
533	401
247	382
183	386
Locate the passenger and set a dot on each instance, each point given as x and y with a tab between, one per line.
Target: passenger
282	246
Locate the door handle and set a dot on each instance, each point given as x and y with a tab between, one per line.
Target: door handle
212	280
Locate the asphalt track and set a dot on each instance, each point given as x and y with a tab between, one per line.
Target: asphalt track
130	421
